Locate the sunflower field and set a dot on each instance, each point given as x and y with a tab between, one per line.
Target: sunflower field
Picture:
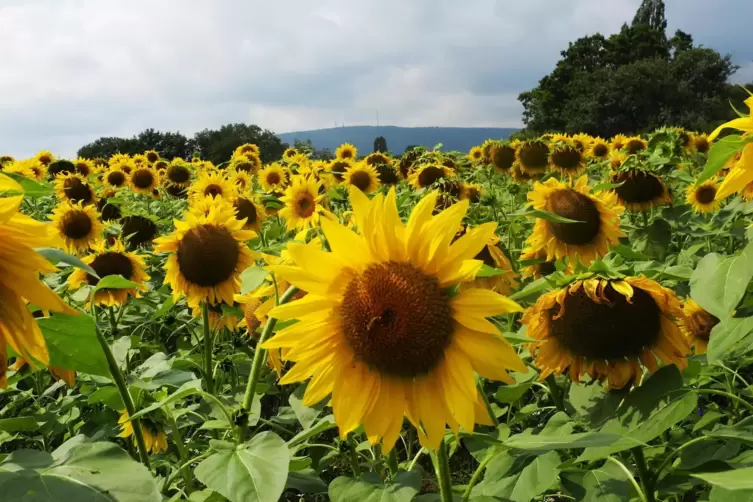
551	319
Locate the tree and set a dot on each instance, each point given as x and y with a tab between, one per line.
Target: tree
632	81
380	144
168	144
218	145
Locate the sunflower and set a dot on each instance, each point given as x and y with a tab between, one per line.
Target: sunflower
502	156
242	180
387	174
107	260
116	178
379	330
303	204
272	178
77	225
151	156
518	175
703	197
212	185
6	159
74	188
684	139
494	256
119	158
532	157
567	158
744	123
246	149
289	153
377	158
346	151
45	157
178	175
539	266
701	143
582	142
137	231
37	169
428	174
747	192
740	174
176	191
204	205
640	190
140	160
598	217
218	320
247	207
60	168
696	324
84	167
599	149
607	329
362	176
208	254
161	165
616	159
248	164
338	168
619	141
124	165
21	168
635	144
144	180
476	154
155	439
108	210
472	192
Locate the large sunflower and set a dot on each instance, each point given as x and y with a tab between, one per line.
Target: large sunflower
640	190
362	176
428	174
77	225
111	260
502	156
144	179
607	329
338	167
20	267
212	185
696	324
703	197
598	217
208	254
380	330
74	188
532	157
178	175
303	204
346	151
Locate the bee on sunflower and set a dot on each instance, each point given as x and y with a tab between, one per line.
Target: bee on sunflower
598	218
74	188
144	179
362	176
178	174
155	438
640	190
696	324
212	185
428	174
346	151
77	225
207	255
112	259
703	197
378	330
606	328
567	158
272	178
532	156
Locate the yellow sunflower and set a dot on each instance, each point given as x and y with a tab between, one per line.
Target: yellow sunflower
21	167
212	185
502	156
472	192
289	153
74	188
208	254
740	175
640	190
428	174
303	204
246	149
744	123
696	324
178	174
701	143
582	142
476	154
747	192
242	180
116	177
151	156
379	330
362	176
606	329
218	320
144	179
635	144
346	151
120	159
566	158
6	159
248	164
619	141
616	159
703	197
139	160
599	149
247	207
532	157
161	165
542	266
107	260
272	178
78	225
84	167
598	217
204	205
377	159
155	439
45	157
338	167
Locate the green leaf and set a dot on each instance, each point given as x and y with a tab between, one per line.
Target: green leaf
324	424
735	479
628	252
370	488
721	151
537	477
594	404
305	481
606	186
544	215
166	305
608	483
730	334
254	472
719	494
109	396
305	415
718	283
185	390
72	344
19	424
741	431
252	278
80	471
56	256
510	393
114	282
487	271
31	188
540	442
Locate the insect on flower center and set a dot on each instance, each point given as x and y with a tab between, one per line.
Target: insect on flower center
110	263
76	224
397	319
208	255
575	206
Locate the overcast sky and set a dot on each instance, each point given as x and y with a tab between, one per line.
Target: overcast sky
74	70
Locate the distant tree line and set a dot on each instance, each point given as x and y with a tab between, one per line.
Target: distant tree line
216	145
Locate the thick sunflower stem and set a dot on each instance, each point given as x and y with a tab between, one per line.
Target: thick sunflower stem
183	451
646	480
260	355
120	383
113	321
442	469
556	392
392	462
487	404
208	369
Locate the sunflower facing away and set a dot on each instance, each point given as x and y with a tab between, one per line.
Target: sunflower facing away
703	197
155	439
77	225
144	179
598	217
137	231
606	329
74	188
111	260
346	151
640	190
380	331
303	204
502	156
208	253
697	324
212	185
20	267
362	176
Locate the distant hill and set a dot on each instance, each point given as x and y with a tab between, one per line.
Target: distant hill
398	138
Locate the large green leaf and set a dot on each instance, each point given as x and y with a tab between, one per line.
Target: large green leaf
17	424
306	416
541	442
56	256
608	483
544	215
721	151
536	478
254	472
72	343
593	403
370	488
31	188
736	479
718	283
252	278
77	471
114	282
727	336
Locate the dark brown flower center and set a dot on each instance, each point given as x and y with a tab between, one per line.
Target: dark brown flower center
701	323
76	224
110	263
152	157
429	175
397	319
178	174
567	158
142	178
600	150
305	205
638	186
361	180
486	256
78	191
116	178
701	144
574	205
635	145
59	167
705	194
338	168
213	190
177	191
346	153
503	157
473	194
273	178
83	169
109	211
161	165
244	166
546	268
208	255
244	208
609	330
534	155
137	230
387	174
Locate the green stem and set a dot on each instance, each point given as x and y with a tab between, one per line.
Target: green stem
113	321
415	459
353	457
678	450
630	477
442	469
727	395
392	461
183	451
489	410
207	349
259	356
120	383
556	392
645	475
184	465
476	476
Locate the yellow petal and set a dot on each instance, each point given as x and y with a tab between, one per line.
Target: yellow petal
483	303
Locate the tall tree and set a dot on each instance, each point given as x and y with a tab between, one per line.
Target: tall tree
218	145
380	144
651	13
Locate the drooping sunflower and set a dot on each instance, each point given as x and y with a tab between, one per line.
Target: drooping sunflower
599	149
178	175
472	192
338	167
60	168
45	157
539	267
598	217
701	143
346	151
144	179
502	156
108	211
74	188
303	204
696	324
428	174
493	255
155	439
619	141
212	185
476	154
532	157
378	330
247	207
703	197
388	175
107	260
362	176
635	144
208	254
740	175
137	231
151	156
640	190
607	329
272	178
567	158
377	159
78	225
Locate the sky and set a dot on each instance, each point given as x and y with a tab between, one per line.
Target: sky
75	70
